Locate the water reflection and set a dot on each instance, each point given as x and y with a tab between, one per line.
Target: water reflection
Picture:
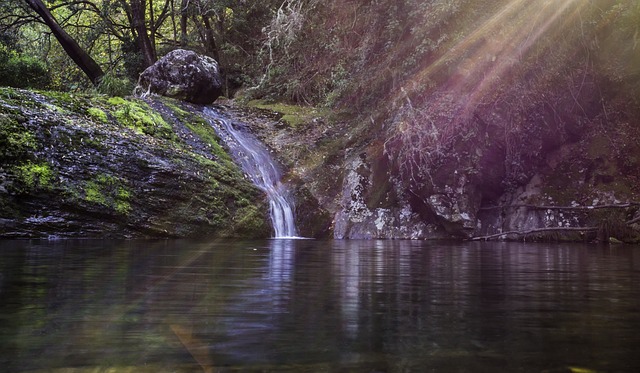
281	265
302	305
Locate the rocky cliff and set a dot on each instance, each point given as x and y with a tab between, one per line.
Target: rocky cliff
585	188
92	166
464	120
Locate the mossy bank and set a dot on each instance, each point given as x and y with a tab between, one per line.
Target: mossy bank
94	166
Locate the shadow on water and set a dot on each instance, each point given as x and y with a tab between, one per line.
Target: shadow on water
309	306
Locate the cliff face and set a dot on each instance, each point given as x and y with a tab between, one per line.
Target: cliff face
462	119
90	166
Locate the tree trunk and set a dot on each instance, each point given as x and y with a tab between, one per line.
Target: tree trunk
209	39
138	18
184	14
87	64
151	29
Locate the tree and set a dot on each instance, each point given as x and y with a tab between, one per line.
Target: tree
123	37
87	64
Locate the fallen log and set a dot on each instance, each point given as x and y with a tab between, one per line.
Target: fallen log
536	230
538	207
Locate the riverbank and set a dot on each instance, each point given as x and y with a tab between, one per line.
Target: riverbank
93	166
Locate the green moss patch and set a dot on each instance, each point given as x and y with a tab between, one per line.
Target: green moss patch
15	139
35	175
97	114
108	191
137	115
293	115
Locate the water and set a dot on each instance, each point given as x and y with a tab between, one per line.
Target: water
317	306
255	160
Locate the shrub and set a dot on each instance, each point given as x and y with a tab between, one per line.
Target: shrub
22	71
115	86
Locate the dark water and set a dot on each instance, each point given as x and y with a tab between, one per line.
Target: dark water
318	306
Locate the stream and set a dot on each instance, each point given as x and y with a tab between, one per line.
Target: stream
255	160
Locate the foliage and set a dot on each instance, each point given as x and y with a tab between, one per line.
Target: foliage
112	85
125	36
21	71
430	77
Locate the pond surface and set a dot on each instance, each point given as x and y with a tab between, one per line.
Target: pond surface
318	306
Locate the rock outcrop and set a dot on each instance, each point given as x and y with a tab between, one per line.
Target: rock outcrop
90	166
361	217
549	183
183	75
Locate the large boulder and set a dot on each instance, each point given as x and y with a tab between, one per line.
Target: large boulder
184	75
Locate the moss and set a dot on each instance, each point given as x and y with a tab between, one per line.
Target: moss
250	222
15	139
35	175
173	105
203	130
115	101
207	134
64	102
13	100
108	191
293	115
63	97
93	193
97	114
137	115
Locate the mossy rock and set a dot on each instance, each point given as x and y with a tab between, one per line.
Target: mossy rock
137	115
16	141
293	115
35	175
109	191
76	167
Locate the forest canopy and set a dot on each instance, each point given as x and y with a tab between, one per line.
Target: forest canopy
125	36
335	53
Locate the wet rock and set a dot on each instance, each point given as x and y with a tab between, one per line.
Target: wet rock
82	177
184	75
312	215
357	220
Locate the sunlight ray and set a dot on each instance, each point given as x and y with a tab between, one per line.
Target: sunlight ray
502	49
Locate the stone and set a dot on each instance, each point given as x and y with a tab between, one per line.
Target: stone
357	220
183	75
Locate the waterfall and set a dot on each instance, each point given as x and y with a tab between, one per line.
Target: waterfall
256	162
